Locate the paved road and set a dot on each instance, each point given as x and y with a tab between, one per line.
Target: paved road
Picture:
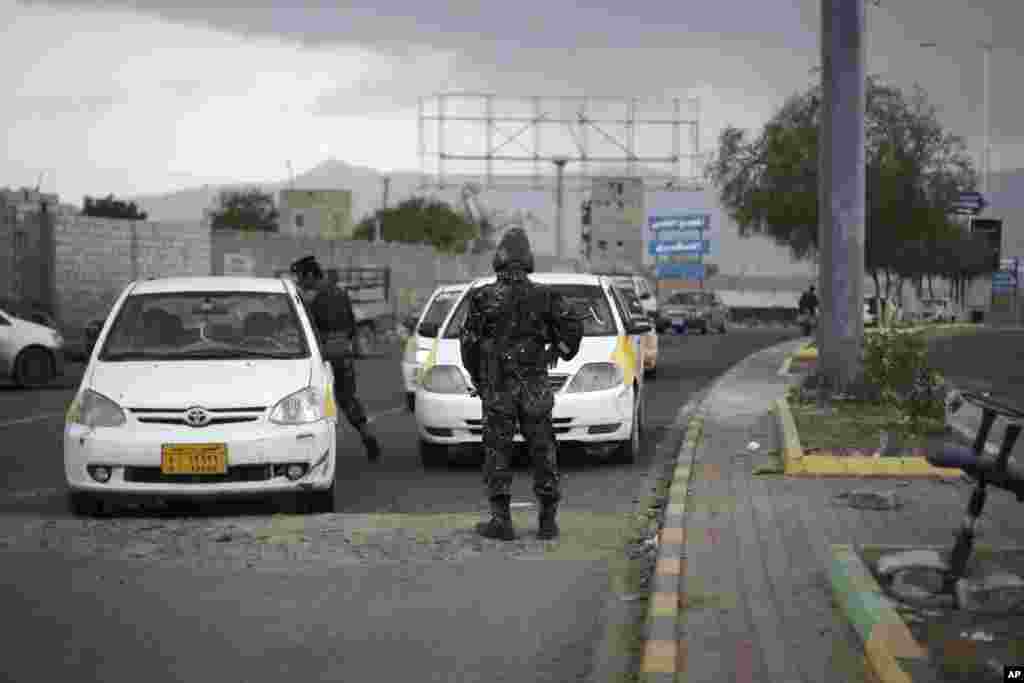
393	587
992	359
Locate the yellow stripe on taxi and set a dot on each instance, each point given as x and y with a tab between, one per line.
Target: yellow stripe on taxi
624	356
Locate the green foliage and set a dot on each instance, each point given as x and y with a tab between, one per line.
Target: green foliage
915	170
896	363
421	221
110	207
250	209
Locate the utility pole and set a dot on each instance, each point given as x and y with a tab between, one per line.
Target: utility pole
560	163
378	229
841	192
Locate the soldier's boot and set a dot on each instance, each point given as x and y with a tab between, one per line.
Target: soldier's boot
499	526
547	527
370	442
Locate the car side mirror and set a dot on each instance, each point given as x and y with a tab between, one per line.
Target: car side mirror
427	329
639	326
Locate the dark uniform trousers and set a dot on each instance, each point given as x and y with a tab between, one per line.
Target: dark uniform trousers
344	368
524	401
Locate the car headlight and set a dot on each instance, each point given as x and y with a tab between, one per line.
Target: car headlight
93	409
302	407
596	377
444	379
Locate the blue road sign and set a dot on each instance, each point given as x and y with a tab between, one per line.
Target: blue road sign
683	271
679	221
969	203
667	247
680	235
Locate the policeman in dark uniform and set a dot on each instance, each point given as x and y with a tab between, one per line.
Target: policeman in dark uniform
330	310
515	329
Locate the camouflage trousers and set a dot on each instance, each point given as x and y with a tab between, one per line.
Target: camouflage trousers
345	389
525	403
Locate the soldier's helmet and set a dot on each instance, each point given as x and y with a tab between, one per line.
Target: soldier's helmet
514	252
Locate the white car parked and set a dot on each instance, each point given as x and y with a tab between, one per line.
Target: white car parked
598	394
418	345
31	348
201	387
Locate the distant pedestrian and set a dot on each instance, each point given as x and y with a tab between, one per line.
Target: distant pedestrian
330	310
514	331
809	302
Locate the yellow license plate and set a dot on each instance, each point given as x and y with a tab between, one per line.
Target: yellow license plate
194	458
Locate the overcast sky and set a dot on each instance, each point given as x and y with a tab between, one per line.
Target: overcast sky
155	96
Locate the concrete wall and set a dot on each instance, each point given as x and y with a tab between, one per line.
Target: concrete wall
97	257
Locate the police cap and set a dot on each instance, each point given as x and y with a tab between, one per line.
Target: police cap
307	264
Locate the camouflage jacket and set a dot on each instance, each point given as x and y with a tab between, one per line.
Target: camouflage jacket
516	327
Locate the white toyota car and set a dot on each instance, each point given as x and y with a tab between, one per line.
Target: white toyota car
425	331
598	394
201	387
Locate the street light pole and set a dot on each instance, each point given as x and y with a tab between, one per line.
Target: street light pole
841	193
560	163
987	158
986	152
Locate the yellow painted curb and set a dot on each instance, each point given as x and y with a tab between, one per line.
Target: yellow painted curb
797	464
806	353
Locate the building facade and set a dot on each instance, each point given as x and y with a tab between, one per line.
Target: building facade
323	214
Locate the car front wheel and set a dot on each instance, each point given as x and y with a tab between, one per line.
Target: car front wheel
433	455
33	368
632	448
81	504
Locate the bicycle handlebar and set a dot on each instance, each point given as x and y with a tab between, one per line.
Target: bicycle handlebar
984	400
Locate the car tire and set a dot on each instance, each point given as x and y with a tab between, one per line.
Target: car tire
651	372
632	448
722	329
433	455
81	504
704	330
33	368
410	402
322	502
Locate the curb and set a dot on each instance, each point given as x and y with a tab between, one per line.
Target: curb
799	465
886	637
665	652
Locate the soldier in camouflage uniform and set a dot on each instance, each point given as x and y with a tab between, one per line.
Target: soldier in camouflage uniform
330	311
515	329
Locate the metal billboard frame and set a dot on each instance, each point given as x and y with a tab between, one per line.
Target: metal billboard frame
579	128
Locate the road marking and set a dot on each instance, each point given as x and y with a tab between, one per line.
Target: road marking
390	411
26	420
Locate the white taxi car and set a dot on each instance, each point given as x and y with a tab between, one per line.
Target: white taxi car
202	387
417	346
598	394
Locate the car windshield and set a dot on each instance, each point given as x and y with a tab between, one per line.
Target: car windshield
440	306
691	299
589	302
633	305
205	326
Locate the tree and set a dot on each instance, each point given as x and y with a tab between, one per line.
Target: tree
250	209
421	221
915	170
110	207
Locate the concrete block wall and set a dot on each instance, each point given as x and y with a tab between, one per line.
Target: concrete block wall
97	257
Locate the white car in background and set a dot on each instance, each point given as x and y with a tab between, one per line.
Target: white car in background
31	348
421	337
598	394
203	387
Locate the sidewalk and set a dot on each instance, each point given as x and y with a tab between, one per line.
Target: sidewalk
753	553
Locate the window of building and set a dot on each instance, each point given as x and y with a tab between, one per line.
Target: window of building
300	220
